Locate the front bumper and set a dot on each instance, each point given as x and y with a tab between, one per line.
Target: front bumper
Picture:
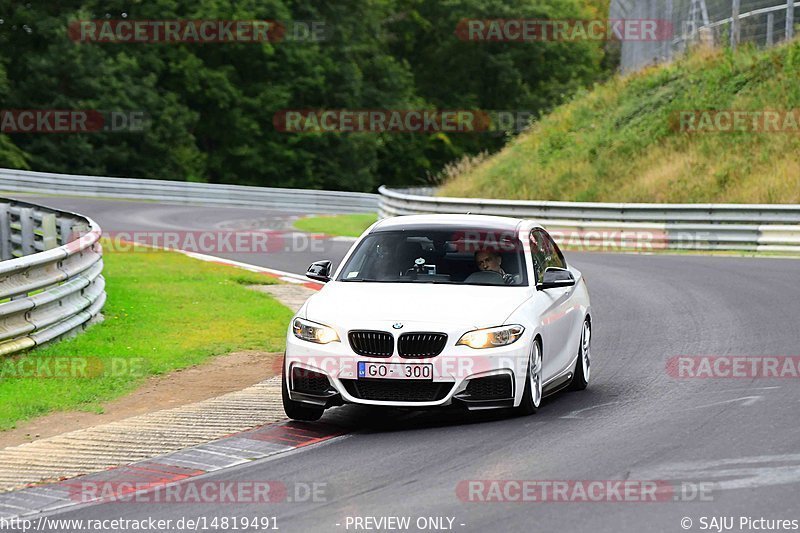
475	379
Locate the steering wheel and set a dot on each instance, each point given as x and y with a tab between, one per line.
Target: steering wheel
508	279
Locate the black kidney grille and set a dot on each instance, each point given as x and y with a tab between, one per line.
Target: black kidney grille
397	390
421	344
372	343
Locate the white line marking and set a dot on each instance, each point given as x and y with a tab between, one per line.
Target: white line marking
731	473
573	414
246	266
740	390
748	400
293	280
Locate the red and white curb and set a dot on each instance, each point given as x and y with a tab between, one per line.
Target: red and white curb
152	474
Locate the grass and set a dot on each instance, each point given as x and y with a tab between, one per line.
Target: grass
618	142
165	311
338	225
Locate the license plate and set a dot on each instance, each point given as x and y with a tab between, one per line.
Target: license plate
423	371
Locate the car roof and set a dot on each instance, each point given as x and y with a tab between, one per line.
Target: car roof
483	222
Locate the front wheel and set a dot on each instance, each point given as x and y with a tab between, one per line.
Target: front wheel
532	395
297	410
583	368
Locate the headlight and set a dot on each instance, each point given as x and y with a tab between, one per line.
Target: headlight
491	337
313	332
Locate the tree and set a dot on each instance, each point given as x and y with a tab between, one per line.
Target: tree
211	107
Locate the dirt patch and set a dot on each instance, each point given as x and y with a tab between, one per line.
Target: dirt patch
218	376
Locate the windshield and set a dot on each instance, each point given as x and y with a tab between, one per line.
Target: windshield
459	257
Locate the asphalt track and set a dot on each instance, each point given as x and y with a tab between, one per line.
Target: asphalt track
634	422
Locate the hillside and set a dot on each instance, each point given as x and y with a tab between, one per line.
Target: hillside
623	141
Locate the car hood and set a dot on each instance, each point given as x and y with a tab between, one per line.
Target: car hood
469	305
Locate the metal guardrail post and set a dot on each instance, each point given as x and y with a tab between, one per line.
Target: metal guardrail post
667	44
789	19
5	234
26	228
735	24
770	29
48	232
65	226
704	12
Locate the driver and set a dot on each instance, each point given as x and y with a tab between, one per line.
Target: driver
491	261
385	262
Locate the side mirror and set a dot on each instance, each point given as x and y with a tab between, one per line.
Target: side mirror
556	278
320	271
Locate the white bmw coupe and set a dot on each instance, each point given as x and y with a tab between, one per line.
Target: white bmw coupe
441	310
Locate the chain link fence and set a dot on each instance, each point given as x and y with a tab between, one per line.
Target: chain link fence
709	22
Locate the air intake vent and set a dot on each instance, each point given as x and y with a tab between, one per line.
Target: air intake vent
397	390
489	388
309	382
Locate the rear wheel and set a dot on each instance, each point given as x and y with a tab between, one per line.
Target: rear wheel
532	395
297	410
583	368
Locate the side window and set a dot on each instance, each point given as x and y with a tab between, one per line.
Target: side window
538	255
545	253
554	256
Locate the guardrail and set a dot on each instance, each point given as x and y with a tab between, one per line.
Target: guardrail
757	227
209	194
51	282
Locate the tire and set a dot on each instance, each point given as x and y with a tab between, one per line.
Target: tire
583	368
532	395
297	410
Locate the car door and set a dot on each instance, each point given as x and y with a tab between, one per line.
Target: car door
558	316
574	306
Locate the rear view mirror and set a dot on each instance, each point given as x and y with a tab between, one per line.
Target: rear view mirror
555	278
320	271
